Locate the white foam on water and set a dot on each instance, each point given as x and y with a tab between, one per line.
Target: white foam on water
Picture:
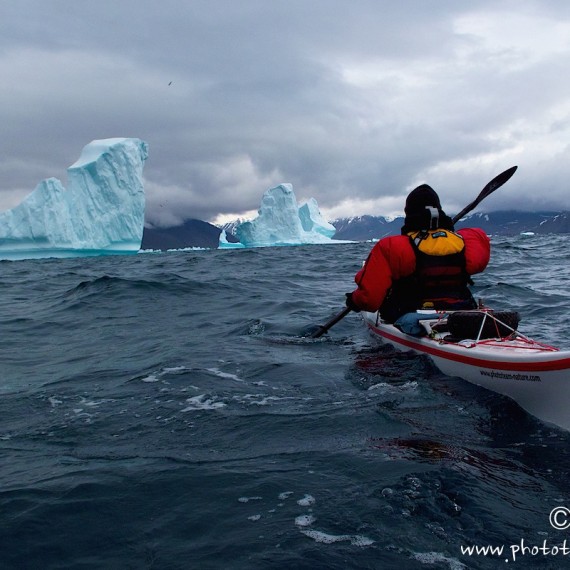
174	370
325	538
151	378
304	520
438	557
265	401
254	517
358	540
83	415
156	376
385	387
284	495
247	499
54	401
93	403
227	375
202	402
250	399
306	501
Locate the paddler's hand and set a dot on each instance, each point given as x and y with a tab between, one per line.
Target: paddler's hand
350	303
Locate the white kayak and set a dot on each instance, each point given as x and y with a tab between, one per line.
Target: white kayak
533	374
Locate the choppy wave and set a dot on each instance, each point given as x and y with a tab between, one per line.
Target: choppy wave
169	408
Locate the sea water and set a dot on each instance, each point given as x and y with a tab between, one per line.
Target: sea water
164	411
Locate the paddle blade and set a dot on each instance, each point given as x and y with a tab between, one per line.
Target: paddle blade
322	330
497	182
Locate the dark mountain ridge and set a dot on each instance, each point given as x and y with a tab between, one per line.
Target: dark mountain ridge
196	233
192	233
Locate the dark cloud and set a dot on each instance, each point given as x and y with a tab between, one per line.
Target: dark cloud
353	103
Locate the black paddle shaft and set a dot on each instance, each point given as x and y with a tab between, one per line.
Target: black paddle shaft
497	182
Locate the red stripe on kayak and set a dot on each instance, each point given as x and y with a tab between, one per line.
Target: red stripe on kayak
561	364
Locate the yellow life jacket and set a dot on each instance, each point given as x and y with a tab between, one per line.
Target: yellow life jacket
437	242
440	280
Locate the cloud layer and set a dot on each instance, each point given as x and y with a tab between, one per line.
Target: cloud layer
354	103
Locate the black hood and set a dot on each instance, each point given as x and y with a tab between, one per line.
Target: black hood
418	214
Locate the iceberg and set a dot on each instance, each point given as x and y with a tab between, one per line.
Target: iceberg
313	221
281	221
101	212
225	244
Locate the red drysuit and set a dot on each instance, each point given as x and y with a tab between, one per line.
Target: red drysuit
394	258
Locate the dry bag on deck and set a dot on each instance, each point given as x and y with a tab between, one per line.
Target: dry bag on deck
467	324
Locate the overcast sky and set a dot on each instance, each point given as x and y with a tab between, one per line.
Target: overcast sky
354	102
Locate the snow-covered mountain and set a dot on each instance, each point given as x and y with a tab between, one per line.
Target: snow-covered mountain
494	223
195	233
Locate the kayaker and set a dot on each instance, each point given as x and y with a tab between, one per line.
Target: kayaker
428	266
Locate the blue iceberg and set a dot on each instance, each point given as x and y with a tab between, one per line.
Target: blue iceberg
225	244
312	220
281	221
101	212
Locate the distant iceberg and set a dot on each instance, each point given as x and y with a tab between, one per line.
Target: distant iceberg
224	243
281	221
101	212
312	220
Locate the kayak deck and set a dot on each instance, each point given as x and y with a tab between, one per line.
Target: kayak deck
533	374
